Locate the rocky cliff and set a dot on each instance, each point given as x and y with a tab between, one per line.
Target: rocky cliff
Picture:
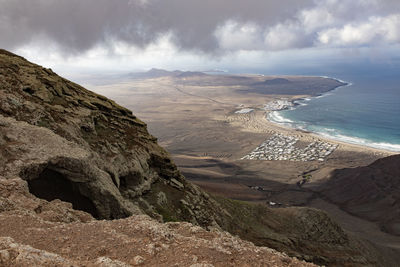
93	153
70	156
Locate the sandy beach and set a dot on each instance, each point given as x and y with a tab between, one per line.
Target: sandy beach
257	121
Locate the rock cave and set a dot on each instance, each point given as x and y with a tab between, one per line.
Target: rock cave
51	185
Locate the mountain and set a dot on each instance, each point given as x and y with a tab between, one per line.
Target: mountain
153	73
157	73
302	86
371	192
82	176
275	81
188	74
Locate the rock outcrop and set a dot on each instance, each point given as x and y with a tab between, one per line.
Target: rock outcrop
69	156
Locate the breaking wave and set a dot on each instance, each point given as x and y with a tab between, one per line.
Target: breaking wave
360	141
275	116
331	133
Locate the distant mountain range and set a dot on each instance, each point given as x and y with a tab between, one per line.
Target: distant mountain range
276	81
157	73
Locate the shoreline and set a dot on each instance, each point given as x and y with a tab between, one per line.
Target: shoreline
257	122
310	136
326	136
330	138
345	84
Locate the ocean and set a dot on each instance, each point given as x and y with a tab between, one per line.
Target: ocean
365	112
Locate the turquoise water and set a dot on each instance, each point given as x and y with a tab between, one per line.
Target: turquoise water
365	112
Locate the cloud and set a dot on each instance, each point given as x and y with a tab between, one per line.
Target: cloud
286	36
328	23
172	31
77	26
316	18
376	30
235	36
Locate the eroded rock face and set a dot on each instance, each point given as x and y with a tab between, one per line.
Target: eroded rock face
68	155
85	143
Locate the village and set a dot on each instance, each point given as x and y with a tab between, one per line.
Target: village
281	147
276	105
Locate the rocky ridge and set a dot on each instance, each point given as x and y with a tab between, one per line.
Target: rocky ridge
70	156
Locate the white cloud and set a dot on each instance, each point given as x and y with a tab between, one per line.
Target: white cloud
376	30
328	23
325	25
316	18
114	56
236	36
284	36
239	36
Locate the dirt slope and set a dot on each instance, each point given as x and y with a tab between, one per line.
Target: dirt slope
371	192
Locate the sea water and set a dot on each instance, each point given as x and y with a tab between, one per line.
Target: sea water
366	112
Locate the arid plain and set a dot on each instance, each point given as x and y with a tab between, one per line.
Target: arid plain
210	122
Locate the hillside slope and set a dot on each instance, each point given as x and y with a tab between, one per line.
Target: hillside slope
371	192
61	141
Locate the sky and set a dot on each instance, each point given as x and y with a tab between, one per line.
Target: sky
106	36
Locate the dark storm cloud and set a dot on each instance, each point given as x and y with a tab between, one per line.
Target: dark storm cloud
78	25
